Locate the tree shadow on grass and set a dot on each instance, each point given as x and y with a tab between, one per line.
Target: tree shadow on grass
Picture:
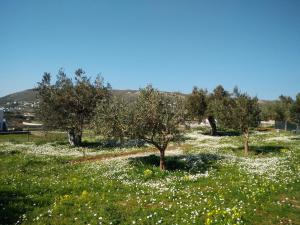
14	152
183	138
266	149
12	206
295	138
223	133
111	144
189	163
229	133
105	144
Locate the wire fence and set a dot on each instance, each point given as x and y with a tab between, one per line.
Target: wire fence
282	125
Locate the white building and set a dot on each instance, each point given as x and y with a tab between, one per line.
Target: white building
269	123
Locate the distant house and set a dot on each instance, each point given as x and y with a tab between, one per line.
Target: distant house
269	123
3	126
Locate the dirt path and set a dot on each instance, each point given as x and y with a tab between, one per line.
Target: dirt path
172	150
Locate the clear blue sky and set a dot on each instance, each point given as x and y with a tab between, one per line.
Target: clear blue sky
173	45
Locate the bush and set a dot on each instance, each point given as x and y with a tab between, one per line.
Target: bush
148	173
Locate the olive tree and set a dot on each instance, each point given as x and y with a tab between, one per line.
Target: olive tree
268	110
283	109
200	105
153	117
238	111
246	116
196	104
112	119
295	111
217	100
222	108
69	105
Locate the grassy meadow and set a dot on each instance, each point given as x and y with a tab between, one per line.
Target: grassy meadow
208	181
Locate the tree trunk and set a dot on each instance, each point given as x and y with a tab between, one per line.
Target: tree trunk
162	162
213	125
246	141
74	137
297	129
285	125
121	140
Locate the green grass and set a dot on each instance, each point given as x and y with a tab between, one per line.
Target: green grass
210	182
37	137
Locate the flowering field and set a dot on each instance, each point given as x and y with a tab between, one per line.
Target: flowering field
208	181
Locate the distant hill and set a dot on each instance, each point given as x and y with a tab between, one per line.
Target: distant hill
30	95
21	96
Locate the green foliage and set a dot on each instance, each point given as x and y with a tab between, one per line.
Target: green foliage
153	117
246	112
218	98
113	118
156	117
268	110
238	112
196	104
295	110
283	108
222	109
218	102
202	105
69	105
148	173
219	93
